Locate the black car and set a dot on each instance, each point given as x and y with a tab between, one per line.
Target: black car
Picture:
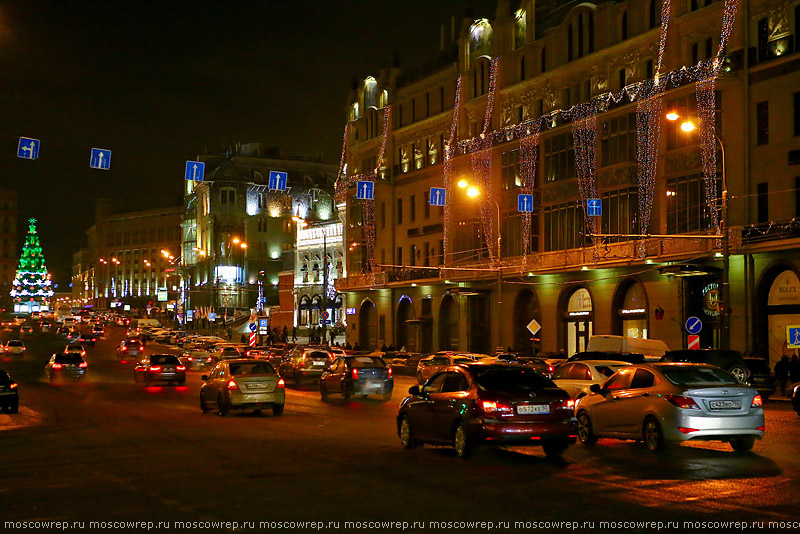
87	339
357	375
599	355
761	376
66	365
305	364
9	393
727	360
159	368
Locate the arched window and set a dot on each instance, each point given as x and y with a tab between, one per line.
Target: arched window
520	24
370	93
622	78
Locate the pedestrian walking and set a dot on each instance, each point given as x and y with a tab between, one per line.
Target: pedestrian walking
294	333
782	373
243	339
333	337
285	334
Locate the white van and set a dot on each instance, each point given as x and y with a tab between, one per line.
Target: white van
141	323
652	348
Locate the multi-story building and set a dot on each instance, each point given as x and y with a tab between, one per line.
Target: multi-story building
132	258
576	118
8	245
238	232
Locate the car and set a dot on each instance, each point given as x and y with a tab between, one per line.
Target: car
761	376
75	349
74	336
129	349
357	375
159	368
430	365
796	398
225	352
540	364
305	364
197	360
66	365
45	325
98	331
576	378
660	403
728	360
63	332
14	346
87	339
608	356
487	403
257	352
194	342
9	393
26	330
245	384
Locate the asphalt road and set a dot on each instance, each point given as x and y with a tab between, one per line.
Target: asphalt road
109	450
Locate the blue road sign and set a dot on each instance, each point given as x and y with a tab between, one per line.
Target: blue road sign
100	159
212	316
793	336
324	321
263	323
694	325
438	196
525	203
365	190
28	148
253	327
189	315
195	171
277	180
594	207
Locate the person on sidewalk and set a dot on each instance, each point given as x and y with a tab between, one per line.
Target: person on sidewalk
294	333
782	373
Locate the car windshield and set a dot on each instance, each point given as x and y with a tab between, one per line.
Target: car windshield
362	362
252	368
69	359
441	361
513	380
457	361
15	343
698	376
161	359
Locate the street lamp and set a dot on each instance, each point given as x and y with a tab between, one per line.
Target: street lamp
688	126
474	192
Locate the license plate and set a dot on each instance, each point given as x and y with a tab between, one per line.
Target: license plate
525	409
318	364
256	386
725	405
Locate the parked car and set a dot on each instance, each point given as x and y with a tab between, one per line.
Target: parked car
729	360
26	330
305	364
357	375
761	376
243	385
14	346
651	348
672	402
576	378
9	393
159	368
129	349
429	366
66	365
480	403
540	364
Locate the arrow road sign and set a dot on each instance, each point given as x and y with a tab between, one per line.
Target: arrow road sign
100	159
594	207
365	190
525	203
253	327
438	196
277	180
693	342
534	327
28	148
694	325
195	171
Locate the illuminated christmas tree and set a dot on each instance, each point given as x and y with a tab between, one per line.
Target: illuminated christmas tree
32	287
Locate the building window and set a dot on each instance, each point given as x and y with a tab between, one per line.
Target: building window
569	43
648	69
620	210
695	54
763	202
622	78
399	256
427	202
227	196
512	244
412	208
399	211
762	123
544	59
522	68
618	140
470	244
652	14
510	173
383	214
797	196
564	227
709	48
687	208
413	254
441	252
624	26
559	158
441	98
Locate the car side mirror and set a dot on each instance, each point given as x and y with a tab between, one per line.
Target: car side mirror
414	390
204	378
595	388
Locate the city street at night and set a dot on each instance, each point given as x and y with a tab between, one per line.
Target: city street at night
109	450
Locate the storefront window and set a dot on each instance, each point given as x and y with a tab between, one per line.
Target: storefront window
634	312
579	319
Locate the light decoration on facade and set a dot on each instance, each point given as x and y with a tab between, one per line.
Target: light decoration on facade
529	155
447	165
584	135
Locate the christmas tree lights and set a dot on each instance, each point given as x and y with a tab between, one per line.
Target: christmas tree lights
32	285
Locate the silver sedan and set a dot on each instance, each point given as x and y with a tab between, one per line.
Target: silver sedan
672	402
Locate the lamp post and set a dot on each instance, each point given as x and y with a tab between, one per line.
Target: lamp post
473	192
688	126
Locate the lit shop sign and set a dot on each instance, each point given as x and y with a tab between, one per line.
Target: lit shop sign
351	311
579	314
711	300
634	311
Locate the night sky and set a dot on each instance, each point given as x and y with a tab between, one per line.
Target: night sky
160	82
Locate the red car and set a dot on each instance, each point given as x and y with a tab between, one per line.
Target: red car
485	403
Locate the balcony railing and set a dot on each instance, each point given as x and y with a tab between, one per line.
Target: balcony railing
772	231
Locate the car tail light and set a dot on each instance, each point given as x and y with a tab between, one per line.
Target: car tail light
190	359
84	365
14	386
687	430
83	353
123	348
550	369
56	366
94	339
281	383
209	359
761	428
495	407
181	368
155	368
680	401
123	361
569	404
355	374
757	402
232	385
390	372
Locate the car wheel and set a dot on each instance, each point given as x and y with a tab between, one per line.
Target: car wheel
585	432
387	396
277	409
346	393
406	436
652	435
739	373
222	407
13	407
203	405
461	442
420	379
743	444
323	391
555	447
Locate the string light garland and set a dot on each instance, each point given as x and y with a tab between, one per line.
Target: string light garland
368	204
482	163
529	155
447	165
584	136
